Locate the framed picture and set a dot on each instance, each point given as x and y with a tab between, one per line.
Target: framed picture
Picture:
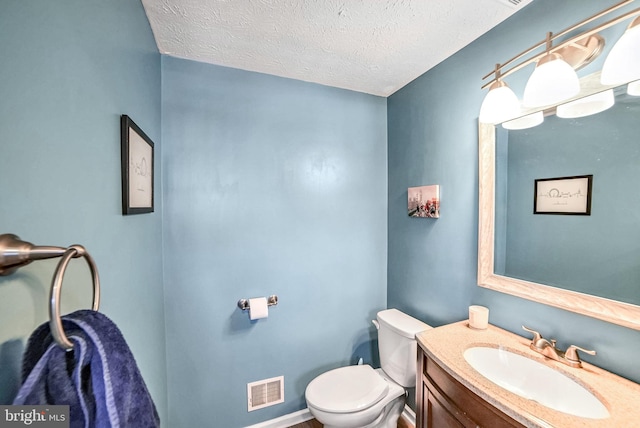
563	195
424	201
137	168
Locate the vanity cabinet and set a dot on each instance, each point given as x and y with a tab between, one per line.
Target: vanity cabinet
443	402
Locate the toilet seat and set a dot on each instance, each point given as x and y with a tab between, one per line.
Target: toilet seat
346	389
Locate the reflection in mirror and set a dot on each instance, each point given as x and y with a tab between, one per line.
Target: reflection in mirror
587	264
596	254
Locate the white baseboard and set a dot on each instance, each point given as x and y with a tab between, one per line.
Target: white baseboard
409	415
286	421
305	415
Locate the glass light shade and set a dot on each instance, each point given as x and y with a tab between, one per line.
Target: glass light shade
524	122
633	88
499	105
623	62
552	81
587	106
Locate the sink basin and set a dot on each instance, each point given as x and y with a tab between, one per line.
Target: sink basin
535	381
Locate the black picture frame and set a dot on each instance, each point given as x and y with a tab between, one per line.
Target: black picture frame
563	195
137	158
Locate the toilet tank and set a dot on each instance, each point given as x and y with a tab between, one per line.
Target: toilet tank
397	345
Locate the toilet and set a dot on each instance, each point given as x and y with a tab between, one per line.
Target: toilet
361	396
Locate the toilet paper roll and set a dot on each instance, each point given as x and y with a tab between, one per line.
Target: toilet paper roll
258	308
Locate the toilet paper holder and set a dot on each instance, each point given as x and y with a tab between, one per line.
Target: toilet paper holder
244	303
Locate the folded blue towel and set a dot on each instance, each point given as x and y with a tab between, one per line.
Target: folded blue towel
99	379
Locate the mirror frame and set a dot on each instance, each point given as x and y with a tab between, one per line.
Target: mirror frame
624	314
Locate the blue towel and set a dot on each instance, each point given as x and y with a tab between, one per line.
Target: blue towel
99	379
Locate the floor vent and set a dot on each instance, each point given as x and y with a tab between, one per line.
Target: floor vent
264	393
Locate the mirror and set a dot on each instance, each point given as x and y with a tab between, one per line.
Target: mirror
520	252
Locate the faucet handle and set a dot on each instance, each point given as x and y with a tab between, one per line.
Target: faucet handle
571	353
536	336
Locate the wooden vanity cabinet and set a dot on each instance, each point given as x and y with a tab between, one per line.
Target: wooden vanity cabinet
443	402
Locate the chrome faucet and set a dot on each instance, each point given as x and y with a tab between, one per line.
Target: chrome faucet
548	348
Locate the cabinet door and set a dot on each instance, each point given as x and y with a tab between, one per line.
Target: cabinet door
446	403
435	414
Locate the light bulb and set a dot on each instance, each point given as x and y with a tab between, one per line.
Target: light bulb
524	122
499	105
587	106
633	88
623	62
552	81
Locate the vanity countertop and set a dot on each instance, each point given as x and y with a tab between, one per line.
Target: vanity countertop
446	345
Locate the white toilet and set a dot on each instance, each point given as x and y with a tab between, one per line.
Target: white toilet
361	397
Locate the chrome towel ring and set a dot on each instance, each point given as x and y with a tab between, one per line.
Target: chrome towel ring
15	253
55	320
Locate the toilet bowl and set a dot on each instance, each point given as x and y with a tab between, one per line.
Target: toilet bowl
361	396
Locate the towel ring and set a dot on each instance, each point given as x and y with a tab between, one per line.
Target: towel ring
55	321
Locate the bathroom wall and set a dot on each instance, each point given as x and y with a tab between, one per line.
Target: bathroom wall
433	140
69	70
271	186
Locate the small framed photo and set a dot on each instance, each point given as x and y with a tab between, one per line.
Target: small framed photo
137	168
424	201
563	195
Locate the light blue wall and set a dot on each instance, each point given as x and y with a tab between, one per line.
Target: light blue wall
69	70
272	186
433	140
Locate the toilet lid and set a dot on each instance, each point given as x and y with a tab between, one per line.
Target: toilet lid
347	389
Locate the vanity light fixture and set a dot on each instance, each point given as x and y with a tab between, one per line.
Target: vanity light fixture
554	79
587	106
500	103
623	62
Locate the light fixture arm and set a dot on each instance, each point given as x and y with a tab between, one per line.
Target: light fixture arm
497	81
593	18
547	43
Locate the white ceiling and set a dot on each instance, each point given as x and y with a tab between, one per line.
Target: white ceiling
370	46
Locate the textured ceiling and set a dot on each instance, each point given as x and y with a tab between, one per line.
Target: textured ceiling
371	46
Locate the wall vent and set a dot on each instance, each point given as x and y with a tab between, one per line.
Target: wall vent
264	393
514	3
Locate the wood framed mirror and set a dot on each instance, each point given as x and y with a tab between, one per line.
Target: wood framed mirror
606	309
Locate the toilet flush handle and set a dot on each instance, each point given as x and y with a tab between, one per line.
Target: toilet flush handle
376	323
